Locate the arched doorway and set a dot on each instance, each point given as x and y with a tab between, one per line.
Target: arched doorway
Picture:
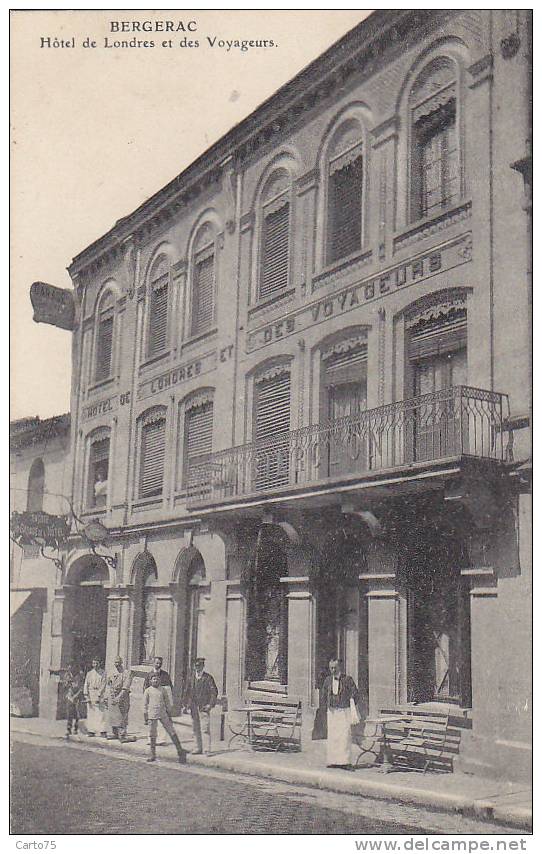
86	615
191	596
267	621
341	625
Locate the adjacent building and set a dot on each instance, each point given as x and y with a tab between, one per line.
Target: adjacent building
301	392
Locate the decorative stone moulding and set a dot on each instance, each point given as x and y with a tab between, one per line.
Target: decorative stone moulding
330	277
426	229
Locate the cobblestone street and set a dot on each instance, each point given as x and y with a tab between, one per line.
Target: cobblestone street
59	788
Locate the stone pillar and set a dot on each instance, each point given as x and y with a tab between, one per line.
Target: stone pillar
235	642
300	638
165	609
60	652
386	630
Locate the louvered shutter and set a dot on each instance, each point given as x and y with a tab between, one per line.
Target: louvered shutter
158	318
153	443
104	347
100	451
444	334
272	426
199	437
346	367
435	159
345	193
275	249
203	294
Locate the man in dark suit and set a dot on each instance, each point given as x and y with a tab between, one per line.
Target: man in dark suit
200	697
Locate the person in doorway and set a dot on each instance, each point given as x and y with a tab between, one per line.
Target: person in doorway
94	691
157	707
118	700
200	698
73	686
340	697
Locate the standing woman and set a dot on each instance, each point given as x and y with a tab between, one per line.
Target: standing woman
94	691
340	696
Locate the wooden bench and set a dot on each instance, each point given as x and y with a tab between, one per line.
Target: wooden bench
422	739
274	724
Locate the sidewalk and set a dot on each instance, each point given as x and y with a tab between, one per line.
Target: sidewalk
506	803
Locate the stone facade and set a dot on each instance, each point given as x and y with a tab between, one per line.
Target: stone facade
310	432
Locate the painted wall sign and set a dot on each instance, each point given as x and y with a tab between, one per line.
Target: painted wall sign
53	305
395	278
178	375
109	404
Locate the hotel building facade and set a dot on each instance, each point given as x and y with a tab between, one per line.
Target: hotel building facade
301	393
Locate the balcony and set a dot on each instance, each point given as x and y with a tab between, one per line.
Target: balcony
454	422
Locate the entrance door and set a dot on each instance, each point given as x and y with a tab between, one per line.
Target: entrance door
90	630
438	422
438	637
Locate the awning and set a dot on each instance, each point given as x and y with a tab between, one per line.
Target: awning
17	598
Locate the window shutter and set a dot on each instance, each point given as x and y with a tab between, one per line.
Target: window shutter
275	249
158	318
203	294
199	428
435	160
100	451
272	425
273	407
153	443
345	192
198	436
104	348
345	367
443	334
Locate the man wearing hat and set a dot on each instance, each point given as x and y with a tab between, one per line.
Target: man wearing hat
200	697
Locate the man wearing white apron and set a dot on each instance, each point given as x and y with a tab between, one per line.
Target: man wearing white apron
94	693
340	695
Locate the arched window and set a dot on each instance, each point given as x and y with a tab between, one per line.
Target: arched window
152	452
98	468
345	192
203	281
103	362
198	435
36	486
158	306
435	169
275	235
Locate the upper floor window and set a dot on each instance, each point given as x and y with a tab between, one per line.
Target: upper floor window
275	235
203	281
152	452
271	425
435	174
158	310
103	363
36	486
198	434
98	468
345	192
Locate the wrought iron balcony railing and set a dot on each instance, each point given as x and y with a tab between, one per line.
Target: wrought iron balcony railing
452	422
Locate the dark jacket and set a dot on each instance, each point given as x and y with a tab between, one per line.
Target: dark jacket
200	692
347	690
165	680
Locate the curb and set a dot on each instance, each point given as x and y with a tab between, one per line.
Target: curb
520	817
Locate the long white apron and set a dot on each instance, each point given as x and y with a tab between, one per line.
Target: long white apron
339	736
96	717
